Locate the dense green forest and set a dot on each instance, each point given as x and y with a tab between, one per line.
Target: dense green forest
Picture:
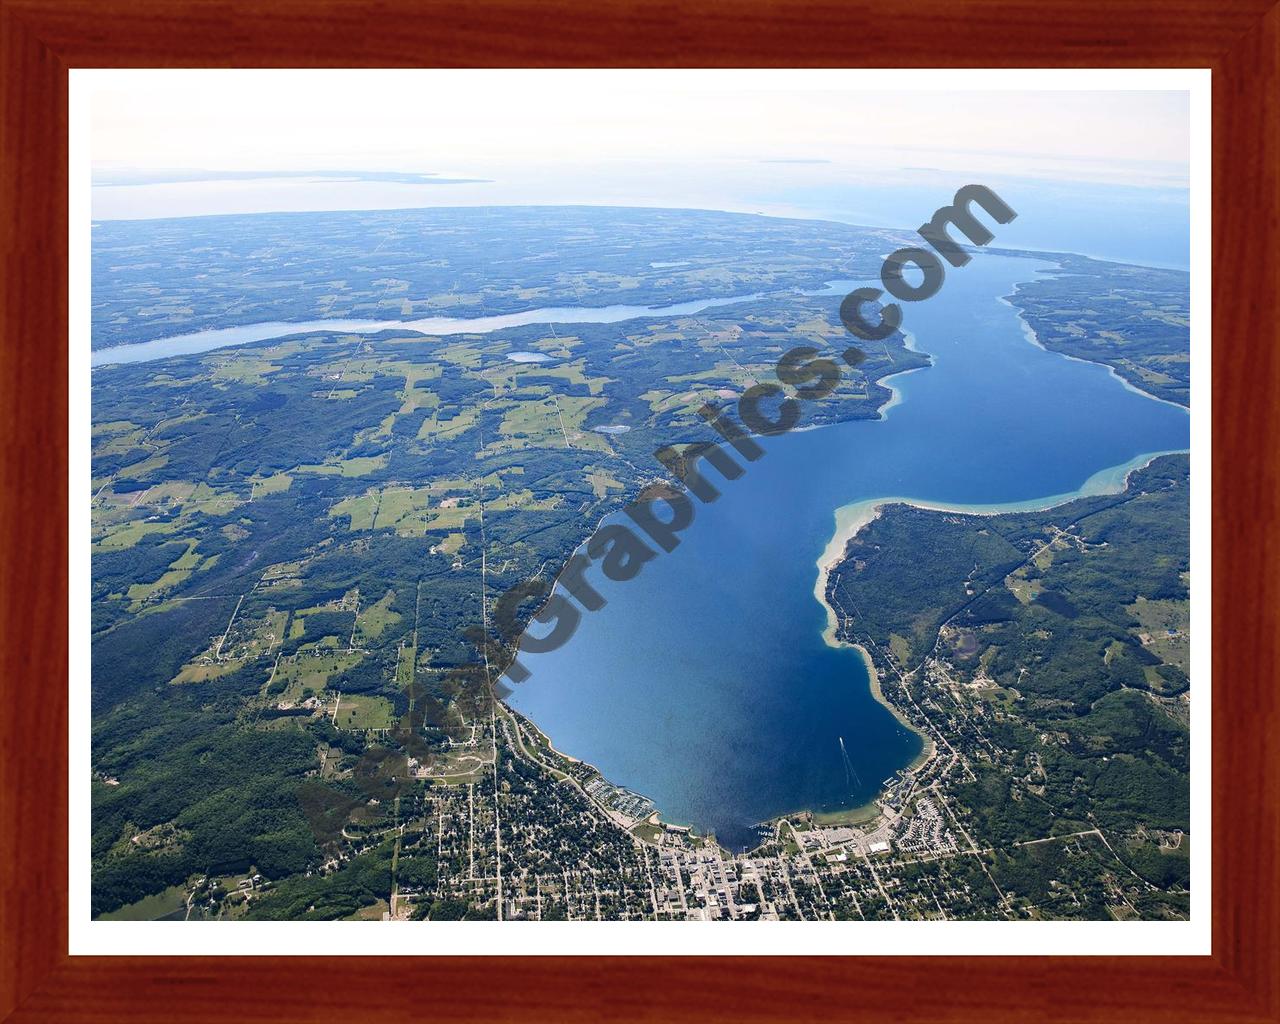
289	536
1062	637
295	541
1137	320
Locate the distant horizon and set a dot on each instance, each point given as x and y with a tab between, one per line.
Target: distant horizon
1101	171
1145	227
468	461
1023	123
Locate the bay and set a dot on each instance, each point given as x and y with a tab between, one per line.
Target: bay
706	682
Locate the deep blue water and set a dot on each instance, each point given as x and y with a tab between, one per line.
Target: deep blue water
706	684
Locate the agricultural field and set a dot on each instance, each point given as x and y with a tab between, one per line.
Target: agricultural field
298	542
1135	319
289	535
362	713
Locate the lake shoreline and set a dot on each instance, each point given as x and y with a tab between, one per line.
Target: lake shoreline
669	790
851	519
214	339
929	746
1029	333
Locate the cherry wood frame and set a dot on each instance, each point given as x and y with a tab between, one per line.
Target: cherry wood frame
41	39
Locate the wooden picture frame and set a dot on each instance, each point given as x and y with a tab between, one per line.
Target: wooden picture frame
40	40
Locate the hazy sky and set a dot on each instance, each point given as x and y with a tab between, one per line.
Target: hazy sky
485	122
1103	172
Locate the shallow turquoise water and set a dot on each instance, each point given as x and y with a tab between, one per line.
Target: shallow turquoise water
705	682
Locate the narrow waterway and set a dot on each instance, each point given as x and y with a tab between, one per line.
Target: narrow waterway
226	337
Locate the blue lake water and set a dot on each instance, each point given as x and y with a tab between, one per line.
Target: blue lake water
706	684
227	337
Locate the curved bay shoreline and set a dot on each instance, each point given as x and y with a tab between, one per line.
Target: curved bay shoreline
851	519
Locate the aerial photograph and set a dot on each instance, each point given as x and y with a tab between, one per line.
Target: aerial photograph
636	496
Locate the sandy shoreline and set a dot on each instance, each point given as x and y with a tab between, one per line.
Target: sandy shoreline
852	518
928	747
895	393
1029	333
849	520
